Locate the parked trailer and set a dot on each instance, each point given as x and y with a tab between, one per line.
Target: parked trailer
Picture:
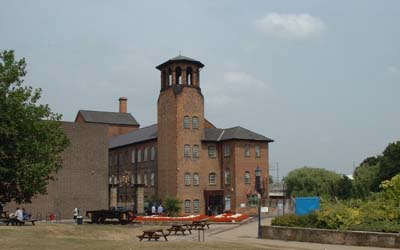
100	216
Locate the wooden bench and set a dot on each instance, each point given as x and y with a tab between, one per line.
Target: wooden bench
152	234
179	228
15	221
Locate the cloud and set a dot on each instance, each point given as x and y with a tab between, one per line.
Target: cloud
299	26
243	79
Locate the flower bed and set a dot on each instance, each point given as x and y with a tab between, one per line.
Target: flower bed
227	217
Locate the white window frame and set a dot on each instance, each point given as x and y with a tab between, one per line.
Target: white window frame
247	177
195	122
247	150
145	179
258	151
227	150
146	154
187	206
186	122
186	151
196	205
196	179
195	151
133	156
139	155
187	179
212	151
153	153
212	178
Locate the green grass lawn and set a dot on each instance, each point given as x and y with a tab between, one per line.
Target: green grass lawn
87	237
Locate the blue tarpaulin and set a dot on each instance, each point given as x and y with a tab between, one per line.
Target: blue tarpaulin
306	205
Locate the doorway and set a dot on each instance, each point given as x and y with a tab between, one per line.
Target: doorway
214	202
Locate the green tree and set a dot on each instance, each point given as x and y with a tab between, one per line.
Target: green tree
390	162
172	205
31	137
308	181
366	179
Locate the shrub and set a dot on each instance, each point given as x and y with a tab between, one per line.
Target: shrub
292	220
337	215
172	206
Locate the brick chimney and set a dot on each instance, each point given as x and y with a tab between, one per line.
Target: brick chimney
123	103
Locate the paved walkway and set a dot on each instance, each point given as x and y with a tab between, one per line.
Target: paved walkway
247	234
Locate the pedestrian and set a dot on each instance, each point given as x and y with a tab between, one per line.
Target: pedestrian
153	209
1	209
160	209
76	213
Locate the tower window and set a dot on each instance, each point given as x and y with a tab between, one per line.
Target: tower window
227	151
258	151
178	75
187	179
187	206
189	74
212	179
247	177
186	151
186	122
211	152
196	205
227	176
195	179
169	77
195	122
247	150
195	151
133	156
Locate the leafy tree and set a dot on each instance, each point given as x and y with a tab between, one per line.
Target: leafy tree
31	137
344	188
366	180
173	206
390	162
308	181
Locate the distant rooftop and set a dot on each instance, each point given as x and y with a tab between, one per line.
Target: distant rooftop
108	117
140	135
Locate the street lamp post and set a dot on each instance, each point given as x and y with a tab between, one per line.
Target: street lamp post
258	188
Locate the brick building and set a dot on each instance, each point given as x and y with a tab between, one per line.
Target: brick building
184	155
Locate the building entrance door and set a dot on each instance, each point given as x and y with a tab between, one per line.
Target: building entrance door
214	202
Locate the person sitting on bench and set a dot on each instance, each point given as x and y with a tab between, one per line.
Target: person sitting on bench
26	215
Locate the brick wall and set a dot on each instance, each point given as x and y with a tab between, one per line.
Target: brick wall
83	180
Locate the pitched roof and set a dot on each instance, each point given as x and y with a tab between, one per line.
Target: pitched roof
142	134
180	58
108	117
238	133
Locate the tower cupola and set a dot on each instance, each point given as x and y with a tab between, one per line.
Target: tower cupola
180	70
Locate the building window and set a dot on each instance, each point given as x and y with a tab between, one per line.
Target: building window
195	179
133	156
196	205
139	179
212	179
152	179
153	153
247	177
227	176
186	122
195	151
258	151
110	179
212	152
146	154
195	122
227	151
139	155
247	150
133	181
187	179
145	179
187	206
186	151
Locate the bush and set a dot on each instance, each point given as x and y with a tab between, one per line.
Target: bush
337	215
173	206
292	220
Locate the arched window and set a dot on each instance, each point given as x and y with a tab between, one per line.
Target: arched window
146	154
139	155
247	178
186	151
139	179
133	156
195	122
212	179
195	151
152	179
195	179
227	176
187	179
153	153
258	151
145	179
189	75
169	77
187	206
186	122
178	75
196	205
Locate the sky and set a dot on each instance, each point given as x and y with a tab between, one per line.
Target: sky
321	78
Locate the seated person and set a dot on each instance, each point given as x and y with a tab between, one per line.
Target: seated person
26	215
19	214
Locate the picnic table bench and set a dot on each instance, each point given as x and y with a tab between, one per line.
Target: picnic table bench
179	228
200	224
152	234
15	221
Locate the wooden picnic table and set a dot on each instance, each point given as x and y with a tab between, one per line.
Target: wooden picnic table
152	234
200	224
179	228
15	221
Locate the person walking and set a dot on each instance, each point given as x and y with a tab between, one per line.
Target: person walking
153	209
160	209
